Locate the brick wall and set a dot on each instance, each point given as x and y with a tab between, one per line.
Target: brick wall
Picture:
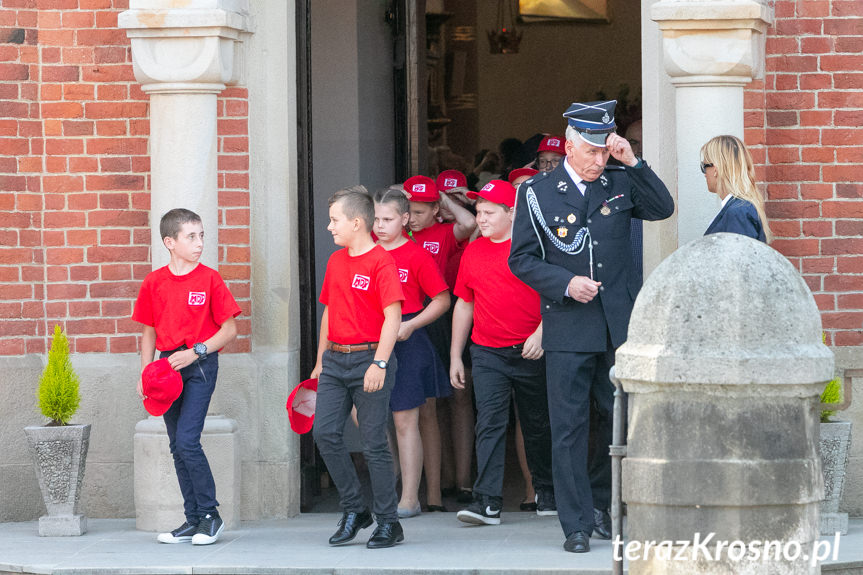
804	125
74	180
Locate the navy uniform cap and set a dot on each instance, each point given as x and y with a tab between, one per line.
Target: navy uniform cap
593	121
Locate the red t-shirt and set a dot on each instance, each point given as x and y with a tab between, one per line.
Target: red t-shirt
356	290
506	310
439	240
184	309
419	275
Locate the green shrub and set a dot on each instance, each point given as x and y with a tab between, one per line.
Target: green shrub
58	387
832	394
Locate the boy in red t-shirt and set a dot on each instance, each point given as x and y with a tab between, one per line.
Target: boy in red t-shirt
188	315
506	355
363	298
443	242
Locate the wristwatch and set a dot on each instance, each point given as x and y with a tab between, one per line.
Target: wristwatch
201	350
380	363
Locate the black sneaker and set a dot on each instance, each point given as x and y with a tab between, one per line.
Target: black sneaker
545	503
209	529
181	534
485	510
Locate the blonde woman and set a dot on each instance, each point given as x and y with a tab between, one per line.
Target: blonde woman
730	174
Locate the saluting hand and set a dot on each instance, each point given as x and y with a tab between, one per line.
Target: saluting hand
620	149
582	289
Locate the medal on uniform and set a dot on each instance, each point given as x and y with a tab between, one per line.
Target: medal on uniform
570	218
605	210
562	231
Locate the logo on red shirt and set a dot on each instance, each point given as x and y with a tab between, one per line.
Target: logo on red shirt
361	282
403	275
197	297
432	247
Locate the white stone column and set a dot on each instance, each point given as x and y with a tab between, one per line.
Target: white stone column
184	57
711	49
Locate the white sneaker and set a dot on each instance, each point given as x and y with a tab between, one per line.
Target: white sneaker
181	534
209	529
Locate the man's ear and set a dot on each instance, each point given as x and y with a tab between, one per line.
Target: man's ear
169	242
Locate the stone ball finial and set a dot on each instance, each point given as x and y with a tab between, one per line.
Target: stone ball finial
725	309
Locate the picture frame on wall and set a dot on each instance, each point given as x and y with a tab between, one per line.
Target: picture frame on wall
564	10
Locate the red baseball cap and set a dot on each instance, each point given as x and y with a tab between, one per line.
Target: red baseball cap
421	189
301	406
496	191
520	172
161	385
449	179
552	144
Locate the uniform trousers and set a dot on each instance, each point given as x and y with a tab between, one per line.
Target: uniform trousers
497	371
184	422
340	386
577	382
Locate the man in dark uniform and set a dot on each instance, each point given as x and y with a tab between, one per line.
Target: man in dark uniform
571	243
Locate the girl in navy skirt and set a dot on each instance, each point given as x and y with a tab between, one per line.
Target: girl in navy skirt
421	377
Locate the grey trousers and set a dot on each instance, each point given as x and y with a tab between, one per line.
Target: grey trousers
340	386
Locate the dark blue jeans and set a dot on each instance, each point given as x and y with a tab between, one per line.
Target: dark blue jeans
340	386
185	422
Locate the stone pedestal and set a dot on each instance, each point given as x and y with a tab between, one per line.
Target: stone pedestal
835	445
711	49
158	502
724	365
60	457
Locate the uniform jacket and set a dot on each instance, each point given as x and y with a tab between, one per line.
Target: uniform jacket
628	193
738	216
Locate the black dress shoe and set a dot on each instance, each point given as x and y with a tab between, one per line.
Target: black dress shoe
601	524
578	542
349	525
386	535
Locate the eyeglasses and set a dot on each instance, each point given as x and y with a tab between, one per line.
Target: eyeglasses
544	163
704	167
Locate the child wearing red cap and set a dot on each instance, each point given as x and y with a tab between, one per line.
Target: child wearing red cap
506	355
421	377
548	155
443	242
188	314
363	298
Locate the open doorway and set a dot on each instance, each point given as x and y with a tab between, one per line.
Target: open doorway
394	88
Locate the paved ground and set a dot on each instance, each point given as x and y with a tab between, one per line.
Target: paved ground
435	543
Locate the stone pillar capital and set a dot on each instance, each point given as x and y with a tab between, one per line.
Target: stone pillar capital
194	48
713	42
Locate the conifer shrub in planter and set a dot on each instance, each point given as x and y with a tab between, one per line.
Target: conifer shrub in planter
59	448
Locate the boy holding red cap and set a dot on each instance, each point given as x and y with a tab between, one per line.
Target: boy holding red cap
363	298
506	355
188	314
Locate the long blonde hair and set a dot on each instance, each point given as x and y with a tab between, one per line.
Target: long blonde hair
735	173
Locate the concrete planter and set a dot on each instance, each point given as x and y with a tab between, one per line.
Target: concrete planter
835	446
59	456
